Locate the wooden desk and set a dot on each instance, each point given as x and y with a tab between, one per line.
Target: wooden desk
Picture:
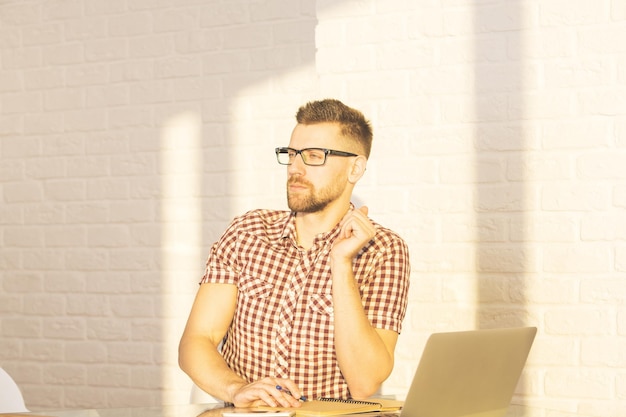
215	410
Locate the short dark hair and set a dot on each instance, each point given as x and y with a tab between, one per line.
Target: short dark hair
354	125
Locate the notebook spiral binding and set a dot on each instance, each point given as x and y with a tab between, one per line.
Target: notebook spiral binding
350	401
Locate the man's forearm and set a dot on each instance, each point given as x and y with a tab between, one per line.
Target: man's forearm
365	358
206	367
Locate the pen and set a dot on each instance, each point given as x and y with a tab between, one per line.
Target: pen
279	388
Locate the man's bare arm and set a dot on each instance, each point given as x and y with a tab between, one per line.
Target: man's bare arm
198	355
365	354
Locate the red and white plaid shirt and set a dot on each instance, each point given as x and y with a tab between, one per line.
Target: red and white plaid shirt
283	323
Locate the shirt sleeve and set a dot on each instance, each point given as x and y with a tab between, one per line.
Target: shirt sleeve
385	282
222	266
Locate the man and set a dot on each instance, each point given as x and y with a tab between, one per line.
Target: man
307	302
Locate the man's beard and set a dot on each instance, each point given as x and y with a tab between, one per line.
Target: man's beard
312	201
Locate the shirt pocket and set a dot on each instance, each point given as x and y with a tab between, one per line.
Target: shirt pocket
254	316
321	304
318	346
253	287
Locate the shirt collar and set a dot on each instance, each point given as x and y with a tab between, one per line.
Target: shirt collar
289	230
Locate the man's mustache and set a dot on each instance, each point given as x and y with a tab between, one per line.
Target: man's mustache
298	181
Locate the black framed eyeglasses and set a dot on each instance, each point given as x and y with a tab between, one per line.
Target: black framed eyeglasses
310	156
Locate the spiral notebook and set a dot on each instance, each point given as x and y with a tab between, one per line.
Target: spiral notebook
336	407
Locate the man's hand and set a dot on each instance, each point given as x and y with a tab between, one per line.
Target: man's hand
273	392
356	231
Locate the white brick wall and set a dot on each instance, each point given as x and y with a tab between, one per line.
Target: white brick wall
131	132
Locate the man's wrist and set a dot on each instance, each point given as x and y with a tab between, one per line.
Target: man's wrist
340	264
233	389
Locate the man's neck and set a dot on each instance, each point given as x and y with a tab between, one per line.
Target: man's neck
309	225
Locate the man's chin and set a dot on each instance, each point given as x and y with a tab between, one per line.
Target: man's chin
306	208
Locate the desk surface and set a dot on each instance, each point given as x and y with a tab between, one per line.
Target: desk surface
215	410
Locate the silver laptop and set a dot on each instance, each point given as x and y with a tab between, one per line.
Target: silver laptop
468	374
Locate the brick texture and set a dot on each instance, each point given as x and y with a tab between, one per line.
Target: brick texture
132	132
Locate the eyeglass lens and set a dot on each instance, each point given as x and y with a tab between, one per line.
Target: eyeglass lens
309	156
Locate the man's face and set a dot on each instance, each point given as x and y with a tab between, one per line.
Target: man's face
310	189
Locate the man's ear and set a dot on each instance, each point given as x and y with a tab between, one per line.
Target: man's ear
357	169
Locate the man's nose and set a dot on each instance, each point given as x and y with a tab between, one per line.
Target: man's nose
297	164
